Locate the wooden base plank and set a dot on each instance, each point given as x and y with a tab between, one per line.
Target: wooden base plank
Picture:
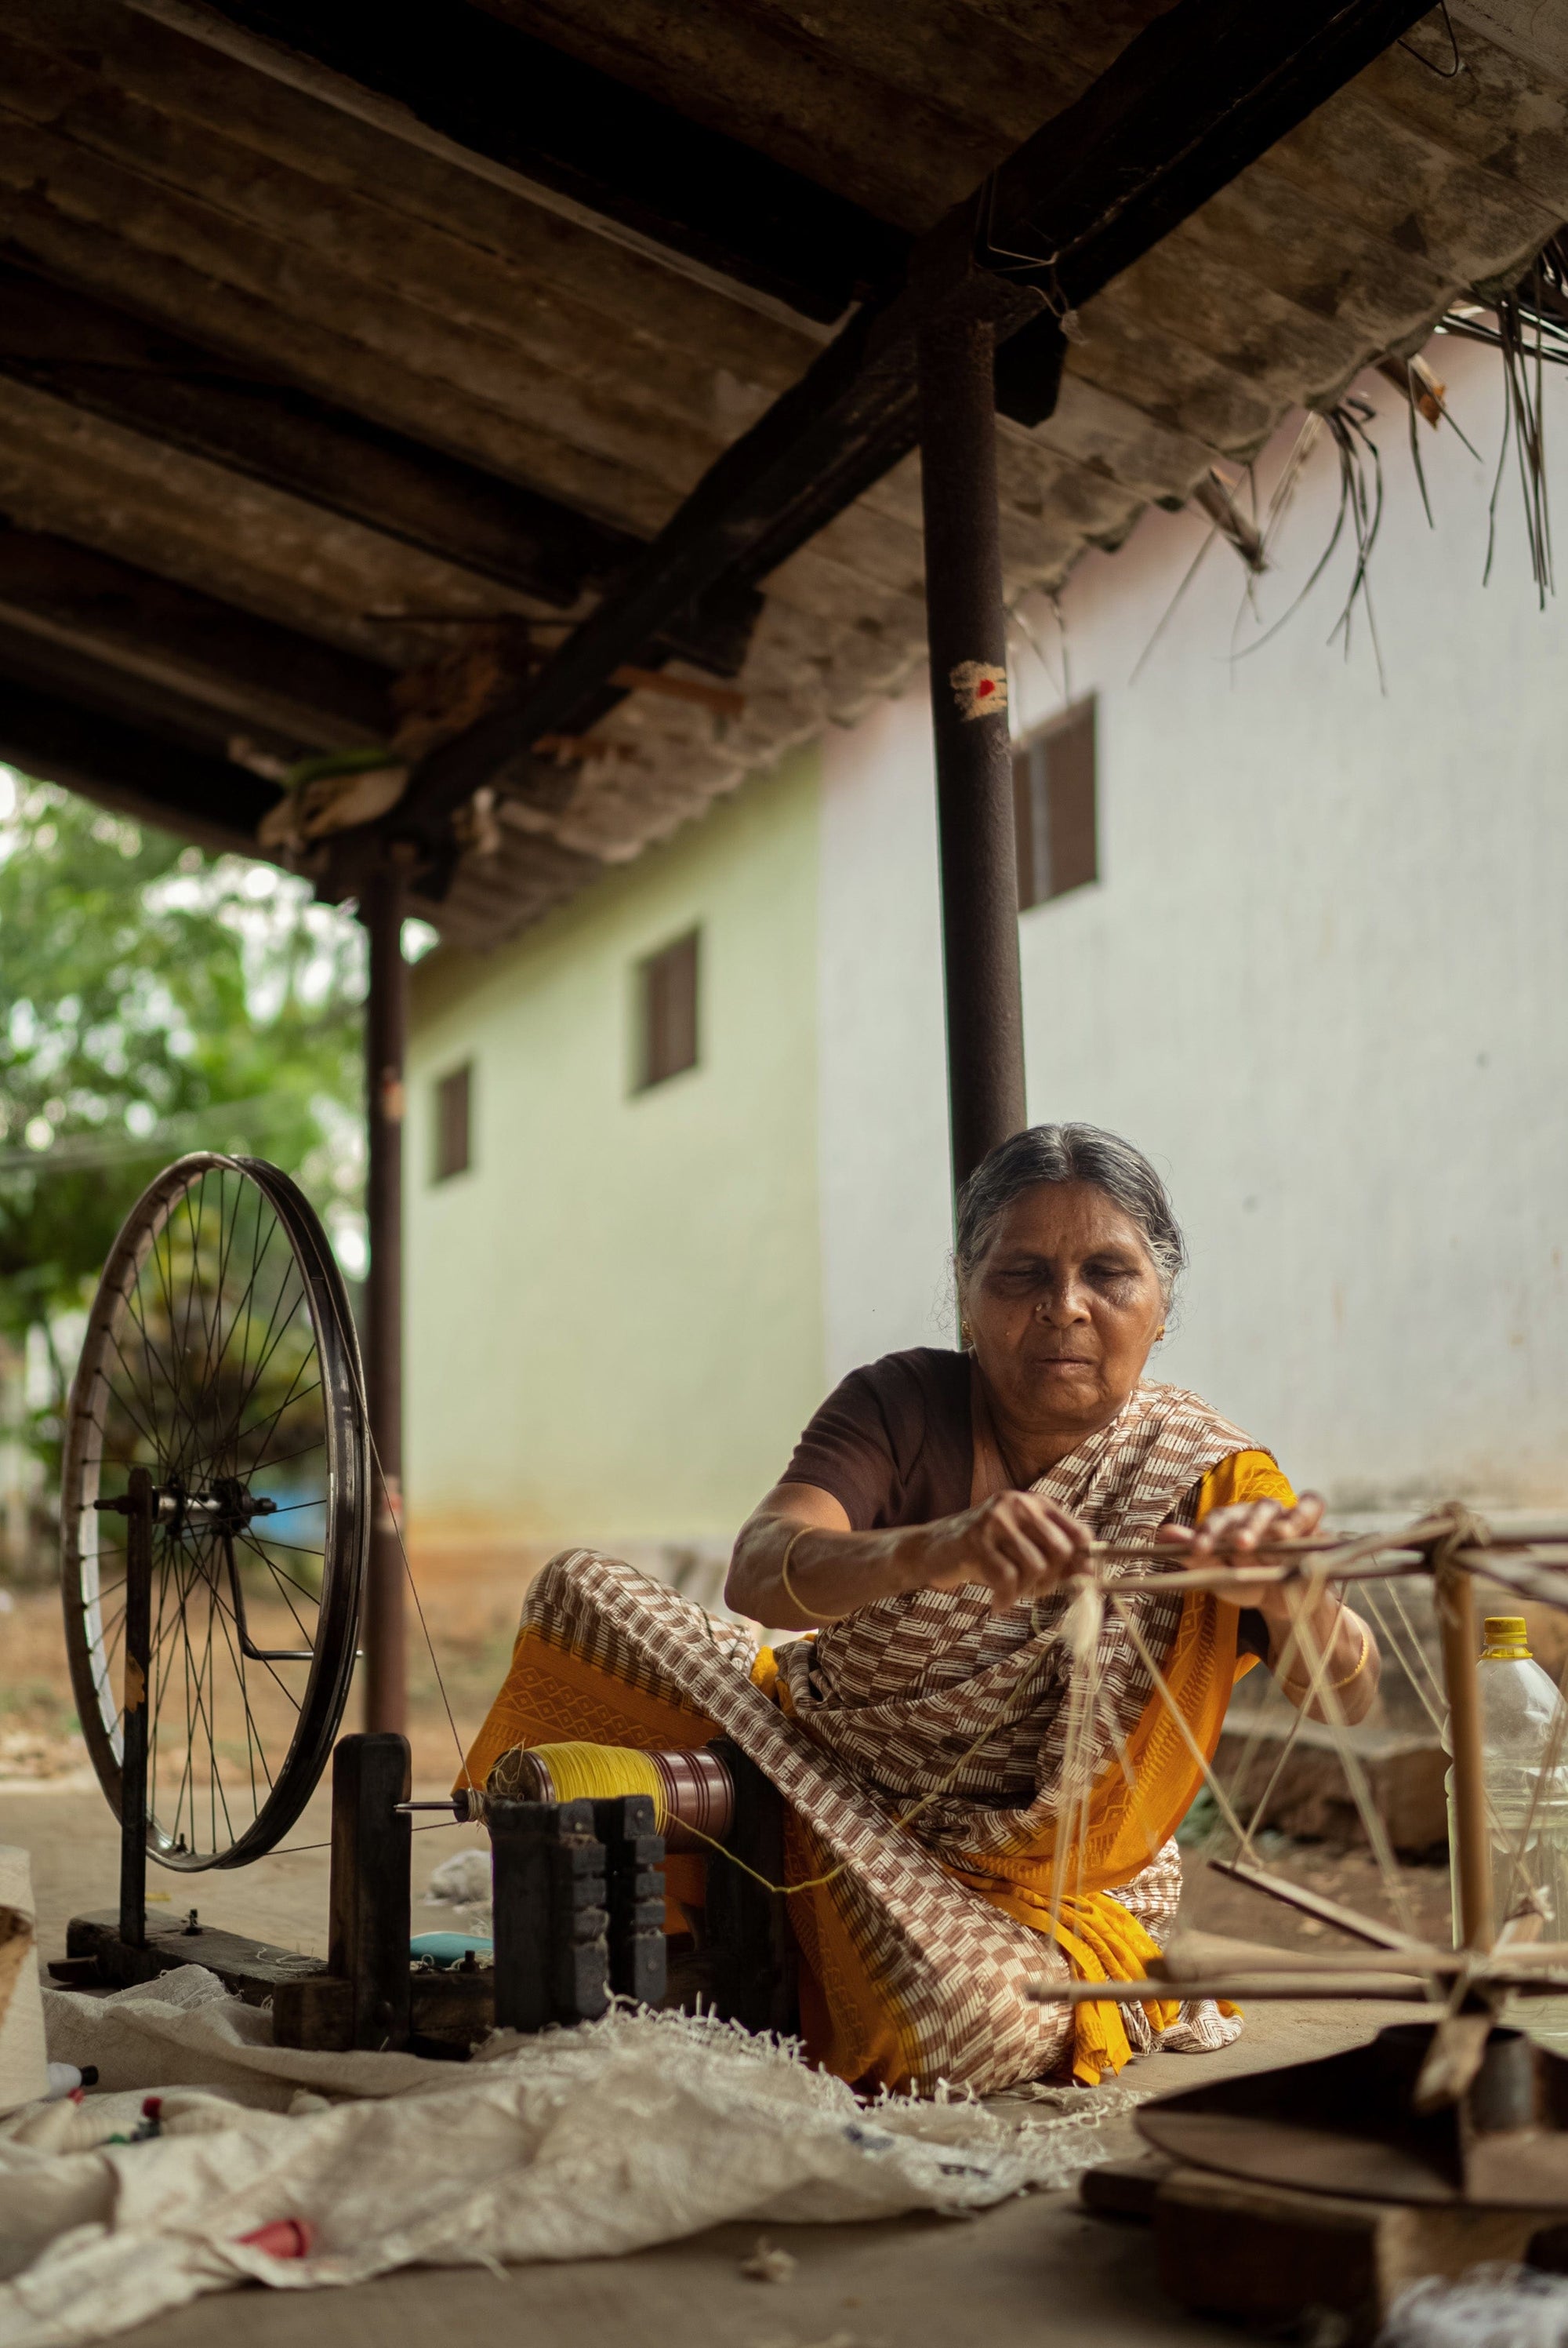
1266	2255
251	1969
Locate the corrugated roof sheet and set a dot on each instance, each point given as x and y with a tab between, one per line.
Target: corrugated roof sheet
240	204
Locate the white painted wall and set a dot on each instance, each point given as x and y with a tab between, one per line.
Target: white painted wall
1321	981
614	1329
886	1216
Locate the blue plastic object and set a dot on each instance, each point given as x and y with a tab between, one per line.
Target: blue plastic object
445	1950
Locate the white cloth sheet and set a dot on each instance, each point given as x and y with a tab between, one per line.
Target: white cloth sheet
22	2072
582	2143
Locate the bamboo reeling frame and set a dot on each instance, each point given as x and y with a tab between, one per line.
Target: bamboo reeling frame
1453	1548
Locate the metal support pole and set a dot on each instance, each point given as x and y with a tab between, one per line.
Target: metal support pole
385	1030
966	630
1471	1857
134	1717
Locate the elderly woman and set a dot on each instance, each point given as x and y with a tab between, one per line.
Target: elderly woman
981	1788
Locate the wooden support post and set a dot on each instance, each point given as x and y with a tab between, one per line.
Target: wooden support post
551	1958
385	1029
634	1897
134	1717
751	1950
967	631
1471	1856
369	1911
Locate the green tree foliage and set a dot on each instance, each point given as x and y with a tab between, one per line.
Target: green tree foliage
155	999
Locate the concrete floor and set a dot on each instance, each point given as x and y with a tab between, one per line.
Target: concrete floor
1031	2267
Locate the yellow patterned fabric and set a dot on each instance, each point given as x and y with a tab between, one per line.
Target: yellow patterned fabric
915	1958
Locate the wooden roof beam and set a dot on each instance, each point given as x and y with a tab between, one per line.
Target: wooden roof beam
134	771
547	119
79	349
1203	91
250	672
68	672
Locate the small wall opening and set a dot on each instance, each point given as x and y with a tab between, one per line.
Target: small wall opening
1056	809
667	986
454	1122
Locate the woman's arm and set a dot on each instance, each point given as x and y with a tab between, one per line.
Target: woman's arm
1300	1631
1015	1545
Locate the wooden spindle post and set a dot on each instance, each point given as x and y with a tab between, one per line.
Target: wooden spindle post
134	1714
369	1901
1471	1856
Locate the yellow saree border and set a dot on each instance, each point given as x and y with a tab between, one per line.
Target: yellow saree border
1134	1808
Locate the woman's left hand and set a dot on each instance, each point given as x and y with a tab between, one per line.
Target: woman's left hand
1230	1536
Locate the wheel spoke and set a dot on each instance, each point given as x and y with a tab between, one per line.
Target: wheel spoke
208	1357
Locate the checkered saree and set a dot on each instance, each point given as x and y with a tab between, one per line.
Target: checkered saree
881	1707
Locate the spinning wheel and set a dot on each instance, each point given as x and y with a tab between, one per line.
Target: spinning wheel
221	1362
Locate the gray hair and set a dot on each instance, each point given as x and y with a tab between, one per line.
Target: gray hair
1070	1153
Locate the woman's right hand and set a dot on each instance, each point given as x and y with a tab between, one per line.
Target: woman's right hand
1016	1545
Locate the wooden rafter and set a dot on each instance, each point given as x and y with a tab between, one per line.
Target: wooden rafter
1186	105
249	671
174	389
543	115
133	770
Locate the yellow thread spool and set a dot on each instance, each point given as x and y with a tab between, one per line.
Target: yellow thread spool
598	1773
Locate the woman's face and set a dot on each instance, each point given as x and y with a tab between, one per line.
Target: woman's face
1063	1307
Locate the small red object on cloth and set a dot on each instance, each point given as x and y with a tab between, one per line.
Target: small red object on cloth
285	2238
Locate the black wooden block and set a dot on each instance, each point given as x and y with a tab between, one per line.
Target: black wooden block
625	1817
751	1952
634	1890
551	1961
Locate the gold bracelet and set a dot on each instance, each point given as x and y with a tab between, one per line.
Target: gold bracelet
1334	1685
789	1588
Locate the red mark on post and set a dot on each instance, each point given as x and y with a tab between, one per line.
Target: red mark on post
979	688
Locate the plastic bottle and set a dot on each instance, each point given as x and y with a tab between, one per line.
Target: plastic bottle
1520	1707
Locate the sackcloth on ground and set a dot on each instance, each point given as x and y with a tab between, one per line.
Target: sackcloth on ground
567	2144
914	1958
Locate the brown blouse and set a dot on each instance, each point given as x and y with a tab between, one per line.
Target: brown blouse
894	1443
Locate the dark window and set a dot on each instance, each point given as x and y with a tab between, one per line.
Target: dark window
667	1008
1054	798
454	1097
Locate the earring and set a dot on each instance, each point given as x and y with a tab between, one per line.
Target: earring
965	1332
1159	1335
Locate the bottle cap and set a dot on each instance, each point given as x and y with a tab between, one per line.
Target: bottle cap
1506	1637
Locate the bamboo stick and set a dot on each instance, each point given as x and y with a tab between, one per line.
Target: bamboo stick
1456	1621
1263	1988
1255	1988
1312	1904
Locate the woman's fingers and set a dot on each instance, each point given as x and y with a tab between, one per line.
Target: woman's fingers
1027	1547
1242	1526
1016	1545
1304	1519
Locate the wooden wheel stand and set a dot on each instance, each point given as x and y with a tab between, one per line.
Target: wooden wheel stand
1323	2188
578	1906
579	1900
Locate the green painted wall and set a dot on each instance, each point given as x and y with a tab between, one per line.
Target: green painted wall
615	1322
